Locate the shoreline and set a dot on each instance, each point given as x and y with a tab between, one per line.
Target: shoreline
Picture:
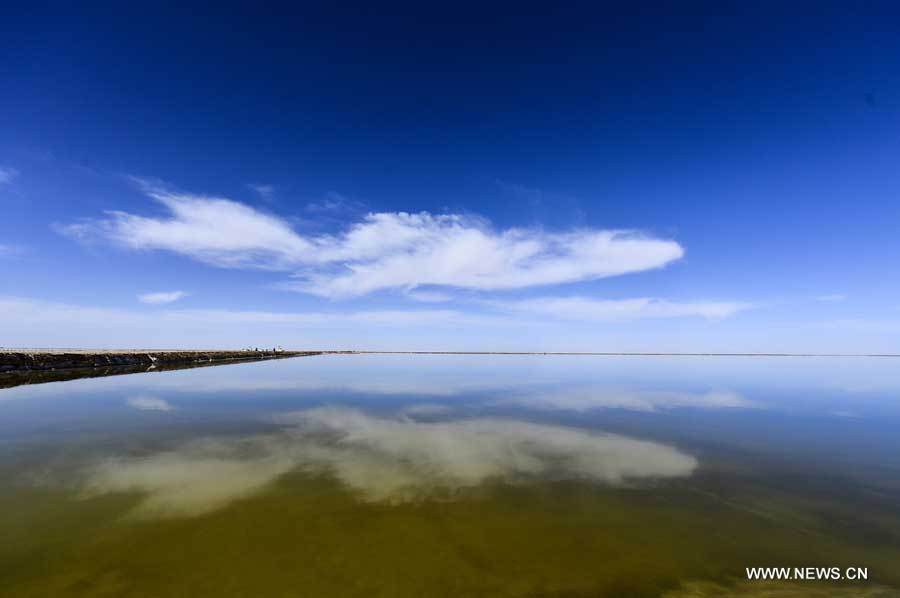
614	353
49	360
36	366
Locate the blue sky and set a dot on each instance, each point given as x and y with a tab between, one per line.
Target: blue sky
474	178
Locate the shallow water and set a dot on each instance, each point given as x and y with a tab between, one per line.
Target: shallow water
399	475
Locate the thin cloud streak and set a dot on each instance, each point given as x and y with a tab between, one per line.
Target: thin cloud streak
149	404
163	297
429	296
588	309
265	192
427	326
30	311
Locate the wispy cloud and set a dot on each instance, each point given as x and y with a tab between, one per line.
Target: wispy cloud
11	251
25	311
380	459
429	296
266	192
149	404
162	297
390	250
7	174
524	194
587	309
335	203
427	326
541	205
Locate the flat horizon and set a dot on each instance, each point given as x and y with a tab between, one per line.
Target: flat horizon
442	352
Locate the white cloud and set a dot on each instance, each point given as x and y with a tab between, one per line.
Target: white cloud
163	297
149	404
7	174
587	309
213	230
401	250
393	250
381	459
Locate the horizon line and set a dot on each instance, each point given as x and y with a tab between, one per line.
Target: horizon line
616	353
439	352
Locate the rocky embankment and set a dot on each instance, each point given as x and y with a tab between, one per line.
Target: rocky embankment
38	361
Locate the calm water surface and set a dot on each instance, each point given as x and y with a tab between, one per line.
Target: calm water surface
454	476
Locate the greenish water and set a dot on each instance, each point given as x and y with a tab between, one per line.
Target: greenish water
454	476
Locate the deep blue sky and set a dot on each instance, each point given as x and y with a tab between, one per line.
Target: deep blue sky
763	141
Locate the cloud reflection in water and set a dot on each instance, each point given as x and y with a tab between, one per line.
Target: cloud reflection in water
381	459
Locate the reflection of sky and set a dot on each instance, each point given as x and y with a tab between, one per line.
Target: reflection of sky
780	383
381	459
777	405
